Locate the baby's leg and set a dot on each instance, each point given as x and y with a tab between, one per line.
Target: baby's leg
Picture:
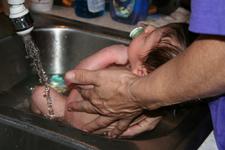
39	103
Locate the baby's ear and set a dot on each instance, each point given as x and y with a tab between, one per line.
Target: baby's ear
141	71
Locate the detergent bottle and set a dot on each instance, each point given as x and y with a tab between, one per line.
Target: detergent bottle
89	8
129	11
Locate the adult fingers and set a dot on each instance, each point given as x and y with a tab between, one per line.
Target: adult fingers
99	123
145	125
82	106
121	126
85	93
81	77
104	131
86	87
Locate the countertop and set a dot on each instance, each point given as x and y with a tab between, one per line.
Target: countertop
105	20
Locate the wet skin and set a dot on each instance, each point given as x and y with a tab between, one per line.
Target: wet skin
110	56
107	57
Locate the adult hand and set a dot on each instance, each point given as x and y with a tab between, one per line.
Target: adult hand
139	125
144	123
108	96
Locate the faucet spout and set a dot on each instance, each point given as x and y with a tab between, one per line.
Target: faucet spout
20	17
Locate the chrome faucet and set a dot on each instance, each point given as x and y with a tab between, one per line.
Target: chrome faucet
20	17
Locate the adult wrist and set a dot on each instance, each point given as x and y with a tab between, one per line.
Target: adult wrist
132	90
142	94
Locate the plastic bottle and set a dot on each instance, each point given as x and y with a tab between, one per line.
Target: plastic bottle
89	8
129	11
41	5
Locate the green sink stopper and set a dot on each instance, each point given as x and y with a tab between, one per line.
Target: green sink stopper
57	82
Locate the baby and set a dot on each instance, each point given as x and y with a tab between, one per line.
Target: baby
142	56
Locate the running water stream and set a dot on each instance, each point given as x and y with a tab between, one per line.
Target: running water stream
34	54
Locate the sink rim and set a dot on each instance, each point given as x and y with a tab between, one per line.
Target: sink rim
73	29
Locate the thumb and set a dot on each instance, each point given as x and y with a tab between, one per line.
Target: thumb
81	77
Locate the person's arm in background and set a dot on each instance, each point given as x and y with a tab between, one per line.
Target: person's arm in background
199	72
196	73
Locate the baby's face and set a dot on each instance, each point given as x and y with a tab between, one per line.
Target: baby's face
141	46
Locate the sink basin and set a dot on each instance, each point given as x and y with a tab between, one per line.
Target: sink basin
63	43
62	48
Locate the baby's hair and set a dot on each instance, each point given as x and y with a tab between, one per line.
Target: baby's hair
165	49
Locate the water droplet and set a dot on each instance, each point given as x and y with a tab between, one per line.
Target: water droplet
33	53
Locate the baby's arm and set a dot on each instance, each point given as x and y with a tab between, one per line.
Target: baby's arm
111	55
115	54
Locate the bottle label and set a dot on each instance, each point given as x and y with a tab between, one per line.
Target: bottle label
95	6
42	1
123	8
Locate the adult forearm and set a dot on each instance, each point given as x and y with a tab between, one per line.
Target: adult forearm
196	73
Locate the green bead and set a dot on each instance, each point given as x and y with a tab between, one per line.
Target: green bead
136	32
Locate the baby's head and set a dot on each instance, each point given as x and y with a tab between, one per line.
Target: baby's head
152	49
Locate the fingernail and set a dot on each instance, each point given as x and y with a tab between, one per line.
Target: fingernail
70	76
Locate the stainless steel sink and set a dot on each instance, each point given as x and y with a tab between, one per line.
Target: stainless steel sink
63	43
63	47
